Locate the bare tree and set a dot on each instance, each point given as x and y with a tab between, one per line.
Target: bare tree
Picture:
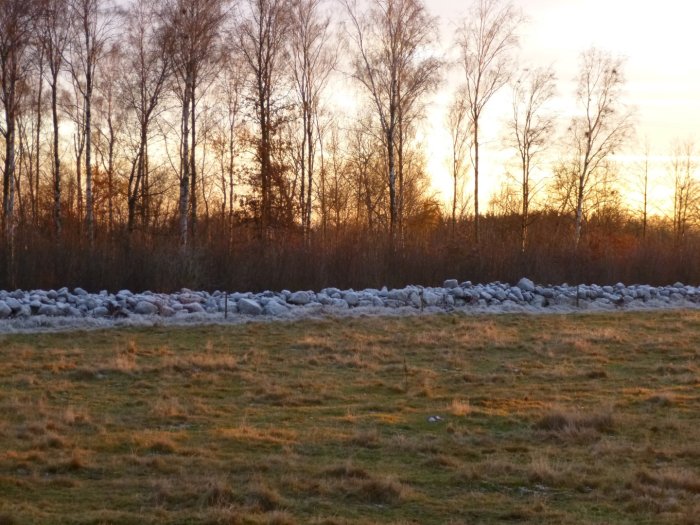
147	67
460	131
53	33
196	27
531	128
602	126
686	192
393	63
486	38
92	25
227	130
112	112
16	22
261	41
313	62
642	184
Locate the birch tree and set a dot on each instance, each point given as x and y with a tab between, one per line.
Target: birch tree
486	39
531	128
393	63
16	22
91	32
313	62
458	126
196	27
147	68
686	192
602	125
53	34
261	42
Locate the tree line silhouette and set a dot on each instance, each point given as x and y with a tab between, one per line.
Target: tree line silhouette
202	143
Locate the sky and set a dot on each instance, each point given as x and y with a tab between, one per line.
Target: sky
658	40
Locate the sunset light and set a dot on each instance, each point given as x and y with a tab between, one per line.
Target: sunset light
349	262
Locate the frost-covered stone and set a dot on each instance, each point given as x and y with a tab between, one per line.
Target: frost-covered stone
193	308
430	298
18	305
400	296
275	308
166	311
145	308
299	298
450	283
351	298
49	310
249	307
526	285
14	304
5	310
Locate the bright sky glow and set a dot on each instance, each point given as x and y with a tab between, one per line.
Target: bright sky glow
658	39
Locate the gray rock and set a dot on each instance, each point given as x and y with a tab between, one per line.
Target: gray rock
415	300
450	283
526	285
14	304
323	299
352	298
80	292
166	311
275	308
25	311
484	295
194	308
299	298
377	301
5	310
398	295
145	308
249	307
340	304
49	310
430	298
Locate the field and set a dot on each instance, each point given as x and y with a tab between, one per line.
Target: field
435	419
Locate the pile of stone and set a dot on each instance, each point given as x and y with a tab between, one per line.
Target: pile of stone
453	295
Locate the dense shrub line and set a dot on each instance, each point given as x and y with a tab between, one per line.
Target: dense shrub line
352	258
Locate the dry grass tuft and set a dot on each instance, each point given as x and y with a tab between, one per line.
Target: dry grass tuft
347	471
381	491
367	438
280	517
7	519
460	408
218	493
264	498
561	421
169	407
685	479
662	399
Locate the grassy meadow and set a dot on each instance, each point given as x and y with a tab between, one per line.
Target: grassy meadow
445	419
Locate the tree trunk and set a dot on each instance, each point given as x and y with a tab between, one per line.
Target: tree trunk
526	205
476	182
184	165
193	167
56	158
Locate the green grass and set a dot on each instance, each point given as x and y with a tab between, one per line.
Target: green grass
550	419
